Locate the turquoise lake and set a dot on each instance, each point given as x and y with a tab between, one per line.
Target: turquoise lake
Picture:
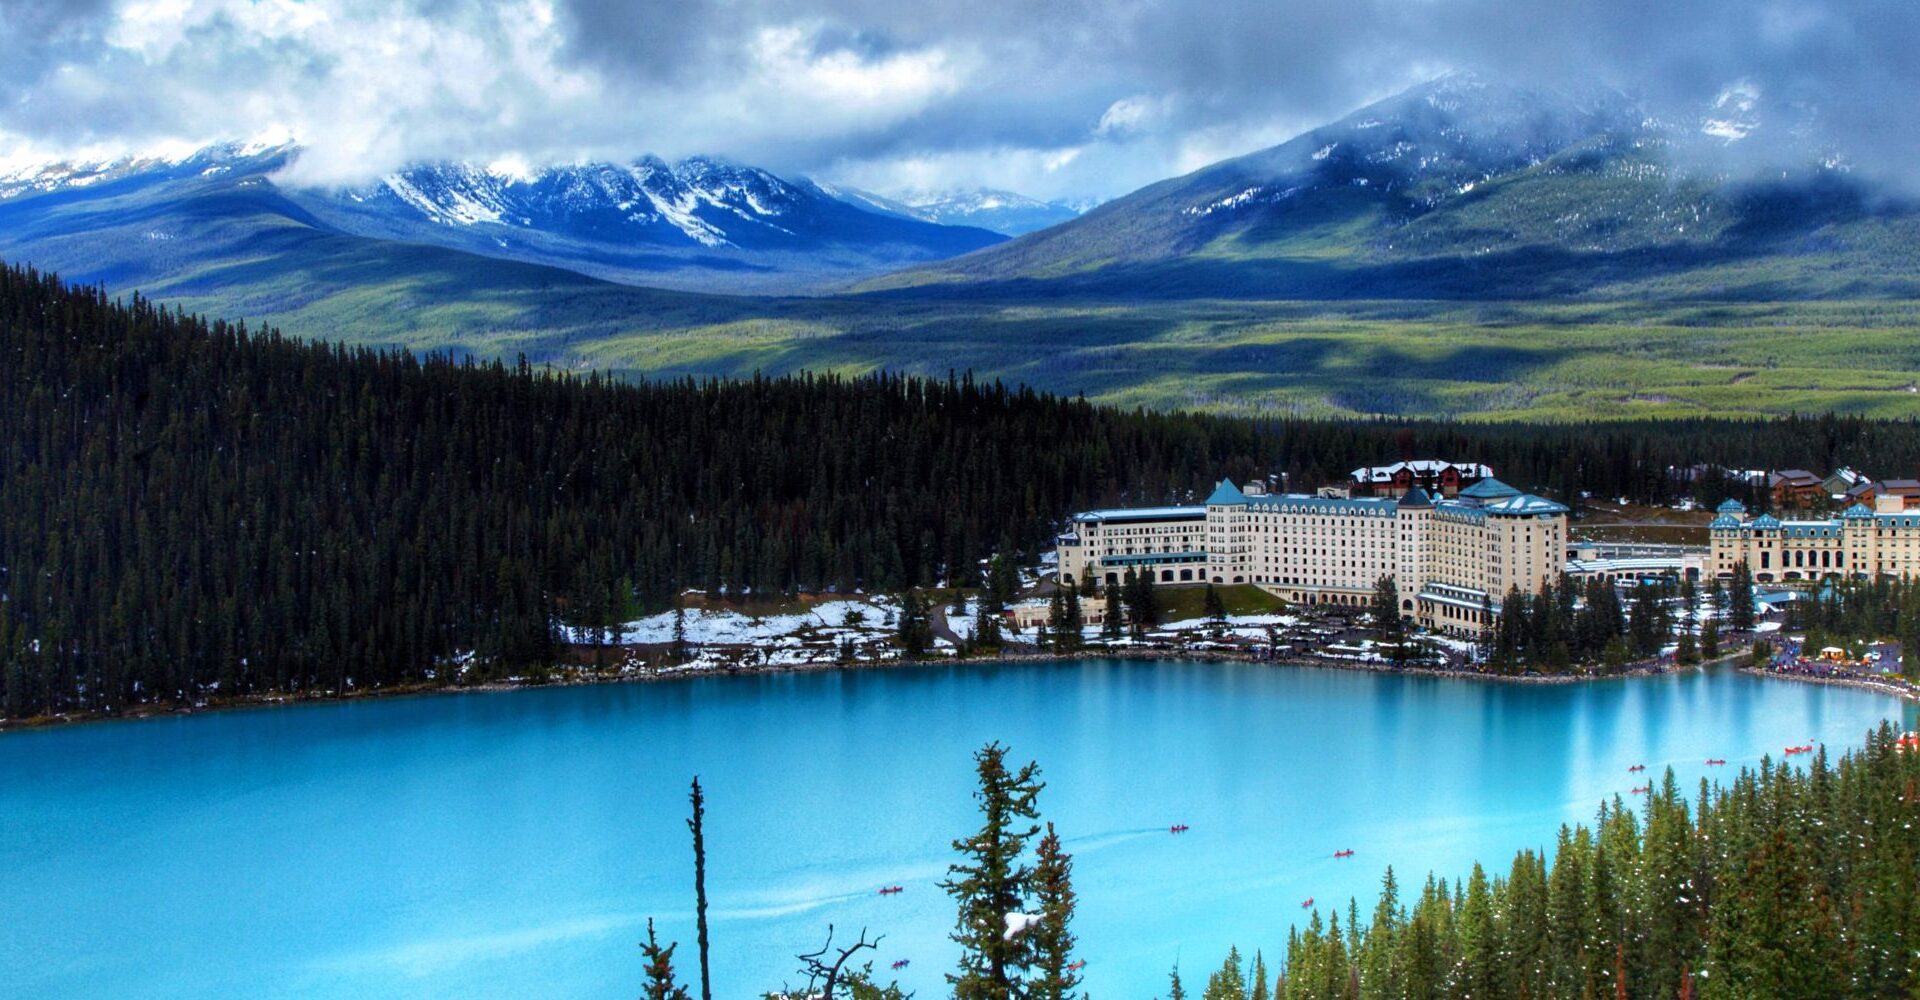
513	844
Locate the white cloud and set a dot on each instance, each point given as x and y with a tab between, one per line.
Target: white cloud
1098	94
1131	114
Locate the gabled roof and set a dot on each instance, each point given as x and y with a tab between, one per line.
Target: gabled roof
1858	510
1489	489
1724	521
1730	506
1794	477
1416	497
1766	522
1226	495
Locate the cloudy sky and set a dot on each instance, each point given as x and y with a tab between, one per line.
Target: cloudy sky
1055	98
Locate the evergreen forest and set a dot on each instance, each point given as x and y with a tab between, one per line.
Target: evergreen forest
192	509
1785	883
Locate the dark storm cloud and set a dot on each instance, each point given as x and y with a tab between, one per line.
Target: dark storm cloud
1086	96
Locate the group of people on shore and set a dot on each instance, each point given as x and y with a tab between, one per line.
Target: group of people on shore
1882	662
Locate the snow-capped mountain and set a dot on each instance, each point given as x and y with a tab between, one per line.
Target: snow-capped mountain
987	208
701	223
1462	186
696	202
73	175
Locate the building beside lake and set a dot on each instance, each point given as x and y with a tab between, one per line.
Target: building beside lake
1452	559
1882	540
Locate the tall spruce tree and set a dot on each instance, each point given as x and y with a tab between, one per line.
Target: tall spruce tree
1740	598
992	881
660	983
1051	941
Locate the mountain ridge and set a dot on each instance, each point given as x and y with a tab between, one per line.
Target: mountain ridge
1460	188
701	224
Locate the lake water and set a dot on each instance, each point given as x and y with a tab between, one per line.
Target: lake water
512	845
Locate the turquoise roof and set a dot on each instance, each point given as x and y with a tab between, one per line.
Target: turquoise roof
1526	505
1730	506
1226	495
1858	510
1489	489
1766	522
1416	497
1294	503
1724	521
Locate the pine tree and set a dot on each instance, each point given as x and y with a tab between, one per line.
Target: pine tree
678	651
1051	941
1113	621
1740	599
991	881
1071	633
1214	607
1478	973
1229	982
1257	989
915	629
1385	610
660	984
1057	616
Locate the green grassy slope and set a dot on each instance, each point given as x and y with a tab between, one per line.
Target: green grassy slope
1483	360
249	258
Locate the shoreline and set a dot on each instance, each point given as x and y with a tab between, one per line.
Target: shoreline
651	676
1904	693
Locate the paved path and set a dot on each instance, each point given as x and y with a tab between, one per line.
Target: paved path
942	629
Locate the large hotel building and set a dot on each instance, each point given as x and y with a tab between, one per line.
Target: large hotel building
1451	558
1883	540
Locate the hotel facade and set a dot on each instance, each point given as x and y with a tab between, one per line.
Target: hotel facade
1883	540
1452	560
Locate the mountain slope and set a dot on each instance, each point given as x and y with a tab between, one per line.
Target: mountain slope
986	208
700	224
1464	188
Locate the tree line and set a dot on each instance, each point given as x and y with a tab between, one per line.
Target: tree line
1786	883
190	509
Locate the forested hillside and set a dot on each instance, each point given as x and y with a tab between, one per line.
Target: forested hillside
189	508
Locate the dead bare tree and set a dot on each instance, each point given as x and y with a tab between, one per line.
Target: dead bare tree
700	883
817	966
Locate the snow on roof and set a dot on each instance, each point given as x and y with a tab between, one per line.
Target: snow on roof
1141	514
1526	504
1419	467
